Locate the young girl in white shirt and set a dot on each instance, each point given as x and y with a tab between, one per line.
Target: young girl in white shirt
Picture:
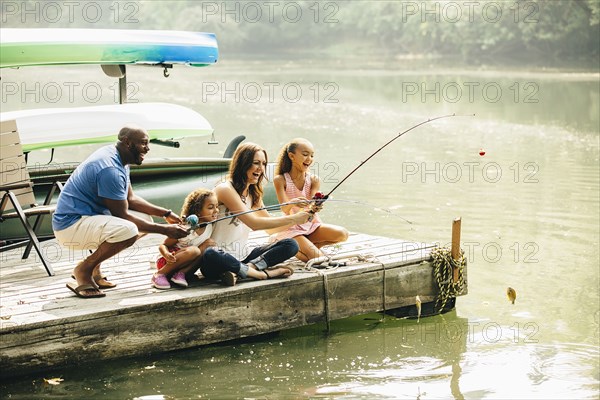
182	256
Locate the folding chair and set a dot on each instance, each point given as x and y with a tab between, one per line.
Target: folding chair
18	195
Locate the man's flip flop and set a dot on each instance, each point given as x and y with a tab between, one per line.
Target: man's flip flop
85	291
102	285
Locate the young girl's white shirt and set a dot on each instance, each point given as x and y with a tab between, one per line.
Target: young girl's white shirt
193	239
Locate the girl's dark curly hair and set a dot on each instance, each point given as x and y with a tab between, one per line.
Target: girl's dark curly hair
194	202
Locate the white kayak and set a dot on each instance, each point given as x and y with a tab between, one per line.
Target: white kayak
56	127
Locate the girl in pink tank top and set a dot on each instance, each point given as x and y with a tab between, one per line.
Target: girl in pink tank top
293	182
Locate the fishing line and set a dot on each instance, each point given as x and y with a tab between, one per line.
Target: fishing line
194	223
374	206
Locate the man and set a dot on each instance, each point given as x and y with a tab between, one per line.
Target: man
98	209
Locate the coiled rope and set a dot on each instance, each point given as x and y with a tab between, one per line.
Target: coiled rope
443	267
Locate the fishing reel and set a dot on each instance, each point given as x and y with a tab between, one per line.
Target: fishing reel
320	197
318	200
193	222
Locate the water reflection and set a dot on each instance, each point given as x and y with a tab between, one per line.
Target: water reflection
369	356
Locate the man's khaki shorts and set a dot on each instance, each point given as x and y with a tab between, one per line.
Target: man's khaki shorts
93	230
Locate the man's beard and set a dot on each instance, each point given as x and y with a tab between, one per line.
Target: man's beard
136	155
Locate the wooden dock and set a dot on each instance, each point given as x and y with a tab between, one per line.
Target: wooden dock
43	326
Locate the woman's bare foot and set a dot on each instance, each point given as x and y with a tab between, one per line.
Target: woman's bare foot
279	272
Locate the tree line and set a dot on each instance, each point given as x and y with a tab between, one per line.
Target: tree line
511	30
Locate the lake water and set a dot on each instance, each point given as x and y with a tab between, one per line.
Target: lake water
530	220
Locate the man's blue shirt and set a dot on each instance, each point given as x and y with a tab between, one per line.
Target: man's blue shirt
101	175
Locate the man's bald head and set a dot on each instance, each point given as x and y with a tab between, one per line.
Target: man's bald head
131	132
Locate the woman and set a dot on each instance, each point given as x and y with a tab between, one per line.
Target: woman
242	191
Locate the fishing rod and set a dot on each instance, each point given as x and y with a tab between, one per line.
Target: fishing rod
320	197
194	223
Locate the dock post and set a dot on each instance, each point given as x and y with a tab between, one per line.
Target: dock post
455	249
